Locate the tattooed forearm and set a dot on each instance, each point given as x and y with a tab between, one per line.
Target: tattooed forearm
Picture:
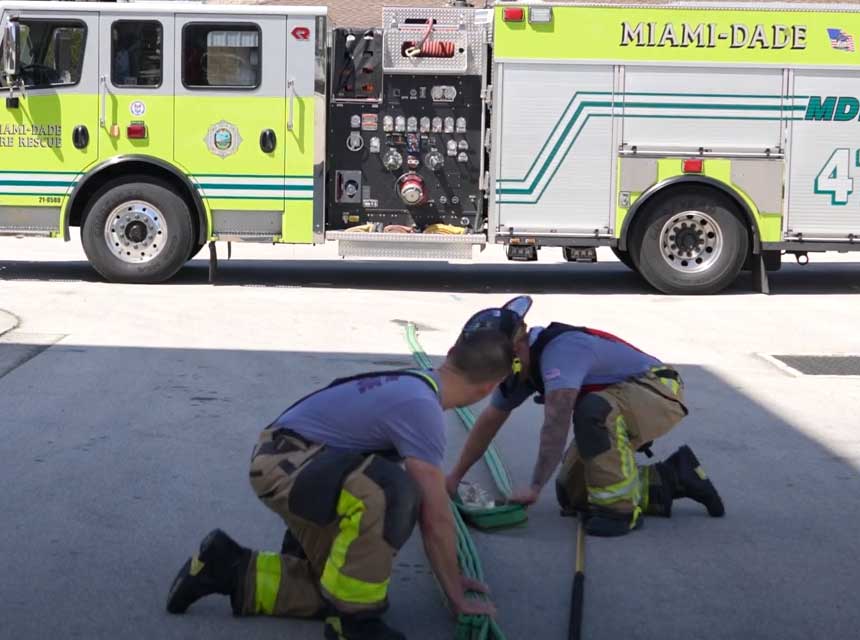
553	436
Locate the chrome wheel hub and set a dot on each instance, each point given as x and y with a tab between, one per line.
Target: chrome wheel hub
691	241
136	232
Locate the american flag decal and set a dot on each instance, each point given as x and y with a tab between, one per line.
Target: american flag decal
840	40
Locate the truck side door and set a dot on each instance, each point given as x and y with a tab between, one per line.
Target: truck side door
136	85
49	134
230	113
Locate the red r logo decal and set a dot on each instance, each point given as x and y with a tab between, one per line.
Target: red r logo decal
301	33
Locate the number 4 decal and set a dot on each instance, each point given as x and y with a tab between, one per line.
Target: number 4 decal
835	177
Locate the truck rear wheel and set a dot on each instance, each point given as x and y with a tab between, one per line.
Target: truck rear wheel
624	258
137	230
692	241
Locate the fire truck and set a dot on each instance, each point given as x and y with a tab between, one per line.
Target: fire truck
694	139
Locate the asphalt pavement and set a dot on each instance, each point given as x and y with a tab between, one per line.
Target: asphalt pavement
128	414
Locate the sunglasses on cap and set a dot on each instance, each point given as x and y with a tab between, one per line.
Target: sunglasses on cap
507	318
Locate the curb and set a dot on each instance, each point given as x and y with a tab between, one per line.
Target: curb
8	322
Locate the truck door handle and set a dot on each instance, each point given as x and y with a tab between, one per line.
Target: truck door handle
103	88
268	141
80	137
291	87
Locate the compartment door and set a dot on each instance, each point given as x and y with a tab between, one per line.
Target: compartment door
824	156
554	160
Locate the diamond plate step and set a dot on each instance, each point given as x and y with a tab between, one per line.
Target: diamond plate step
431	246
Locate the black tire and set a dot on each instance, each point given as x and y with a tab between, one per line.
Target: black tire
162	209
624	258
196	247
704	215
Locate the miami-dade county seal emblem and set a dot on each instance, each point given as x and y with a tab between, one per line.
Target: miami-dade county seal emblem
223	139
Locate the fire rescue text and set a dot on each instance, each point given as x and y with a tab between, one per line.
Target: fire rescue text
31	135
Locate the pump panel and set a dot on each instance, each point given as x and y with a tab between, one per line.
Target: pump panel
404	149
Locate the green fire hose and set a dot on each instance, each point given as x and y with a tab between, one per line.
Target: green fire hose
474	627
498	517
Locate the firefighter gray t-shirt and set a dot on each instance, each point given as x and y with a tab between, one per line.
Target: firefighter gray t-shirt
574	359
379	413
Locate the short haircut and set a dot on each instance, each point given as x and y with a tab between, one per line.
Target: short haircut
483	356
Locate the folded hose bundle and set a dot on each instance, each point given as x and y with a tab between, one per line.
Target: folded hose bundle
486	518
490	517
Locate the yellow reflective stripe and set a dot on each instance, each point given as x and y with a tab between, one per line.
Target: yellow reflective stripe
629	487
613	493
268	582
351	590
334	623
343	587
673	384
645	482
636	513
196	565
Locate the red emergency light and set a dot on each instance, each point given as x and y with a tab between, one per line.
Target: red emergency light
513	14
693	165
136	131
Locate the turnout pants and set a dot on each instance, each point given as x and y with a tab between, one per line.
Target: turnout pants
599	469
349	514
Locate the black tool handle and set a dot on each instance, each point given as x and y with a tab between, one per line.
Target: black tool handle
575	629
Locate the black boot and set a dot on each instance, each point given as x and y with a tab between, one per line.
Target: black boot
662	485
340	626
610	524
691	481
218	567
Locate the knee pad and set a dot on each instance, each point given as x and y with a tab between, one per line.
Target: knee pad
402	500
589	425
316	489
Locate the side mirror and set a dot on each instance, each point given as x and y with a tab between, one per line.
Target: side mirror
9	53
63	49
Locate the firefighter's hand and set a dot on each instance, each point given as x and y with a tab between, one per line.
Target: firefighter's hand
470	584
524	497
473	607
451	484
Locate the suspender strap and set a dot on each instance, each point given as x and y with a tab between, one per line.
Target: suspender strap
556	329
421	375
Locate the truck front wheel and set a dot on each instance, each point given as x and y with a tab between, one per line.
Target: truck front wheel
137	230
691	241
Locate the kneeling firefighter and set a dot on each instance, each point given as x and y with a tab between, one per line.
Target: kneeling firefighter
350	468
619	399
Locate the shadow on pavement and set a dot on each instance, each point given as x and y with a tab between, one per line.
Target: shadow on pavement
116	461
601	278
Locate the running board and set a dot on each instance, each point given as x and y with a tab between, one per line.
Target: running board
28	233
29	221
430	246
